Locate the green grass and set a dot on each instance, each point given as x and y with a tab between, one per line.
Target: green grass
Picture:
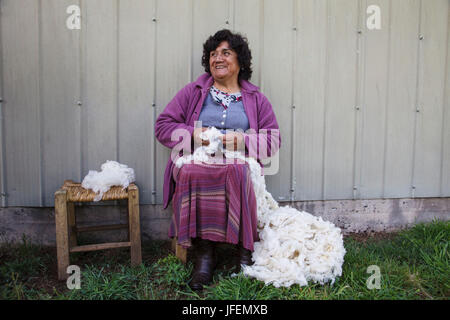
414	264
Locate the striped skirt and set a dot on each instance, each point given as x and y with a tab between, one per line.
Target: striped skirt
214	202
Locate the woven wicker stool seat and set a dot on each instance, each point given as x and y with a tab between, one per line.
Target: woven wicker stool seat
67	229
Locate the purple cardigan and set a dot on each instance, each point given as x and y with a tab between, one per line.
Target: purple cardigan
184	110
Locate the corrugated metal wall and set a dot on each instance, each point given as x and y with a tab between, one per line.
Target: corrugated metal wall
363	113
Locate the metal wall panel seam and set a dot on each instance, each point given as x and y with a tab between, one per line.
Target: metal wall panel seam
419	80
191	43
261	46
2	133
117	25
80	97
155	20
446	107
325	99
386	120
83	71
231	19
362	97
294	69
360	81
40	120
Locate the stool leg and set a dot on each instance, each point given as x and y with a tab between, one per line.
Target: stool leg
72	224
174	244
180	252
62	235
134	226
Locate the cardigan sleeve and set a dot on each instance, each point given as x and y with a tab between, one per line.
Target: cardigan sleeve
266	141
174	118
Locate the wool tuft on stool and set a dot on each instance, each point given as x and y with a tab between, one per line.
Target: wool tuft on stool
112	174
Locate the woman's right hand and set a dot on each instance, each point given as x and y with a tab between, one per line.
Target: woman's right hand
197	140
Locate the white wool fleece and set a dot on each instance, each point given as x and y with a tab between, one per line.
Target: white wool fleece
295	247
112	174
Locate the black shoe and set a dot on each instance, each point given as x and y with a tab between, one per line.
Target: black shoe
205	263
244	257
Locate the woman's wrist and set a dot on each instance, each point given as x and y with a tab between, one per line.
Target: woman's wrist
233	141
197	139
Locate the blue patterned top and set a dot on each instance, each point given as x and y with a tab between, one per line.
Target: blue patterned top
213	114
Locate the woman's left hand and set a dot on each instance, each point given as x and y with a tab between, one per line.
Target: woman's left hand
233	141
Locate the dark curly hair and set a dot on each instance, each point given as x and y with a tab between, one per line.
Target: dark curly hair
238	43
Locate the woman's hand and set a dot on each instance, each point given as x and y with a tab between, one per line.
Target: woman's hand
197	140
233	141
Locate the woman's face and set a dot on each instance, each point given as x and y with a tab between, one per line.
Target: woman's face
223	62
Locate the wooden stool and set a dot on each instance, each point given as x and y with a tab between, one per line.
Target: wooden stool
66	227
180	252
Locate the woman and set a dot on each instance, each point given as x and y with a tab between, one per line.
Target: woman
216	202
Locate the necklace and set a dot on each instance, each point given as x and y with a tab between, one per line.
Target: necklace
224	98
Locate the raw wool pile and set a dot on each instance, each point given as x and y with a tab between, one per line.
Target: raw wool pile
295	247
112	174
